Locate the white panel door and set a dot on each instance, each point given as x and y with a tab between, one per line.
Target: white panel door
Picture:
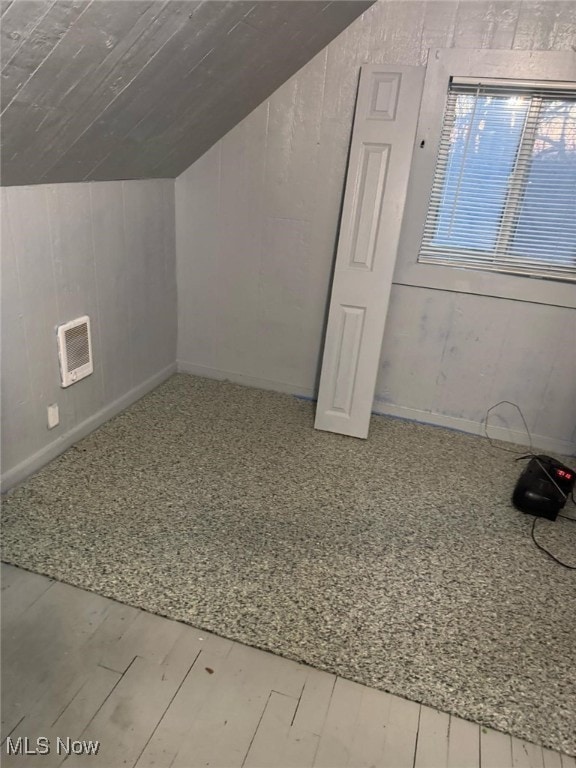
380	157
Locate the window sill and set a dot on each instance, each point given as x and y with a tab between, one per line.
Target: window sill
462	280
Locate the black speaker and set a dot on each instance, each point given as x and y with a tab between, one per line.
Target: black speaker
543	487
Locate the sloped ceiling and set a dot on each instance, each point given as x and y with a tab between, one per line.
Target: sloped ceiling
132	89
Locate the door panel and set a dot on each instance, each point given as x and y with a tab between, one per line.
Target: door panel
380	157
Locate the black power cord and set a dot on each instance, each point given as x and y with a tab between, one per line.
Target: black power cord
501	447
543	549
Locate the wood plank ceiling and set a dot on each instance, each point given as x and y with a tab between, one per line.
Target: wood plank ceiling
118	89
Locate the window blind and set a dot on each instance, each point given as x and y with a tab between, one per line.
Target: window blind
504	190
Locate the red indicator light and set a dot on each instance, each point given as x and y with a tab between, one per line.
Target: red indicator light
563	473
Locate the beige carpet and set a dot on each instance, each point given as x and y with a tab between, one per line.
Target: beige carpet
397	561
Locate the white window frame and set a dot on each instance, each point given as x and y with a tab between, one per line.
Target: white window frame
442	65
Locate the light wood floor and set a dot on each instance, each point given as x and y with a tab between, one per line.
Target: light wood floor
154	692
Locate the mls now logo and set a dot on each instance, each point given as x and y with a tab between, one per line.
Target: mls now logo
42	746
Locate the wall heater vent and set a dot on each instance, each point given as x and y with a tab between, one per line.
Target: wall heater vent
75	350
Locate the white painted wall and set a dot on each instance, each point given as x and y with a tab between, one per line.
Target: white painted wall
103	249
256	228
447	357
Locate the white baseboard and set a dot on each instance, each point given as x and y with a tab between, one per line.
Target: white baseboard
240	378
540	442
35	462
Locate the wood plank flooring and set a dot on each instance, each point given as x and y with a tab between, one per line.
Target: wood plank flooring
79	668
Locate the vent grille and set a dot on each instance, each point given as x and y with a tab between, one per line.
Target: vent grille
75	350
77	347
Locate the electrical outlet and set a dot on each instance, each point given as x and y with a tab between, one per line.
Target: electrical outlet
53	416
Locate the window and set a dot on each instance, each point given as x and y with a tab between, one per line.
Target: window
519	272
503	195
